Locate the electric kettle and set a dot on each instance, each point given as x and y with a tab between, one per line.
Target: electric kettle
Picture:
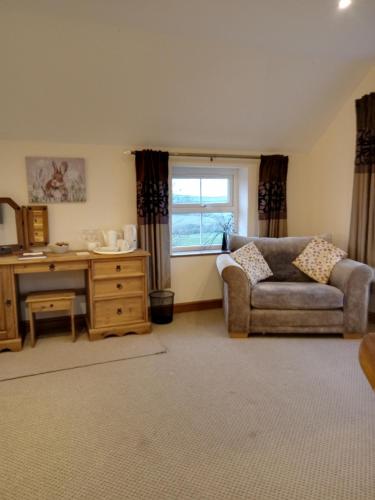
130	236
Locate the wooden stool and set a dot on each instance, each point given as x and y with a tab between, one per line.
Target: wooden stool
47	302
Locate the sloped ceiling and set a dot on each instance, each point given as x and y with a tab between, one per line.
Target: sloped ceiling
253	75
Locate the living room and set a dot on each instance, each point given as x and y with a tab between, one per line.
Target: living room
228	84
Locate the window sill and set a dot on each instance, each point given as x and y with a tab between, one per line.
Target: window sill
194	253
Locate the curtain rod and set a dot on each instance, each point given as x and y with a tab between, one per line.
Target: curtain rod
210	155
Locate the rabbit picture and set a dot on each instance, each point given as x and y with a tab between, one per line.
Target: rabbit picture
56	180
55	189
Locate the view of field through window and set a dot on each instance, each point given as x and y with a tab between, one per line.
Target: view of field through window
200	223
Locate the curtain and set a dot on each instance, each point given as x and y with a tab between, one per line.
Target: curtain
153	216
362	225
272	196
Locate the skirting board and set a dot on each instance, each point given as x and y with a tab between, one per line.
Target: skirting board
200	305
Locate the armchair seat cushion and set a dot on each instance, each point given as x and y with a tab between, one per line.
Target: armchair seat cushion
298	295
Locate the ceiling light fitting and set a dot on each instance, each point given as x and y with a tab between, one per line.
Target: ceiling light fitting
344	4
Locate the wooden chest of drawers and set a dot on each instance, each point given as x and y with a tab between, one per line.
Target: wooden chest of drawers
119	296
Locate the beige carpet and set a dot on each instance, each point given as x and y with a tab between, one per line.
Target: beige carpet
58	353
212	419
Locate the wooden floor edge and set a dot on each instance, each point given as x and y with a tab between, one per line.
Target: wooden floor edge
199	305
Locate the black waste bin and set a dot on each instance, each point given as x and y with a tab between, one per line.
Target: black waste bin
161	302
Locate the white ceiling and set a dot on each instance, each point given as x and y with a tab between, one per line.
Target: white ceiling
254	75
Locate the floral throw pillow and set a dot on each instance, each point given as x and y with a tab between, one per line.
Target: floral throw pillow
252	262
318	259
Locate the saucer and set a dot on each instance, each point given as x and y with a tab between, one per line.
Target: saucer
111	251
106	249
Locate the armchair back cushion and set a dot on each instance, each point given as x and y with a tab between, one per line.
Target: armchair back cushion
279	254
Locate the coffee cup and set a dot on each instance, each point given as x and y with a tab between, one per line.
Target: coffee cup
91	245
122	245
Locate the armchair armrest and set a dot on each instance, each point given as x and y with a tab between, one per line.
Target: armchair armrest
236	300
353	279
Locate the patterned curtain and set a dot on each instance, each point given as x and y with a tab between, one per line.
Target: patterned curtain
153	217
272	196
362	226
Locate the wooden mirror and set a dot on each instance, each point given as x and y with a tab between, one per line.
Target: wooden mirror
11	233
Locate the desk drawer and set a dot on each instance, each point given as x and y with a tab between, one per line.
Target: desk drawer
118	311
118	286
47	267
50	305
117	267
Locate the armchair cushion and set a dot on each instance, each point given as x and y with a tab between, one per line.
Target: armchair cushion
253	263
307	296
318	259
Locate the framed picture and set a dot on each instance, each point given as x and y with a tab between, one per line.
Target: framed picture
56	180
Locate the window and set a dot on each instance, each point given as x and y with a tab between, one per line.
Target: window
204	203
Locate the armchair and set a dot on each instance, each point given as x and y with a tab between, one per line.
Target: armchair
290	302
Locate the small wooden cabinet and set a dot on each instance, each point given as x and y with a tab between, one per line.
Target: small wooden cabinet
9	338
35	223
119	296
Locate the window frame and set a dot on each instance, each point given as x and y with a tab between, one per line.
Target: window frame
202	172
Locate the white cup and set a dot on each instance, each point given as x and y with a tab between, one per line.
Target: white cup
91	245
124	247
112	238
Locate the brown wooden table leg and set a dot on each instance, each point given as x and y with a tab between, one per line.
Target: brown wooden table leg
32	327
73	324
367	357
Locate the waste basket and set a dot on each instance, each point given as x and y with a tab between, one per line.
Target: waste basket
161	302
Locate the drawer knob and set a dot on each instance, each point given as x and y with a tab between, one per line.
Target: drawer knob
52	267
119	286
118	268
119	311
8	302
51	305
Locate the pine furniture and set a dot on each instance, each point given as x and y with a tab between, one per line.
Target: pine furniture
31	223
116	292
367	357
50	302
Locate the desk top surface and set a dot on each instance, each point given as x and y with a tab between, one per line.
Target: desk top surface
68	257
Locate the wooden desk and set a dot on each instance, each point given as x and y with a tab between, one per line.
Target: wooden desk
116	290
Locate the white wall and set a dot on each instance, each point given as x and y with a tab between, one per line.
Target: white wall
319	193
323	194
326	174
111	195
111	202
